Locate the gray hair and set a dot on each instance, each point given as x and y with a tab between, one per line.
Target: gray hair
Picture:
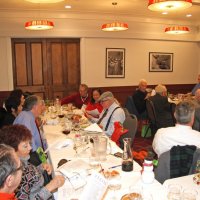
184	112
8	164
30	102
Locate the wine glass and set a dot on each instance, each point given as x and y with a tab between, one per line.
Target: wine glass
114	183
135	193
174	192
189	194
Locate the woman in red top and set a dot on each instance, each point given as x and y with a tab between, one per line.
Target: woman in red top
94	108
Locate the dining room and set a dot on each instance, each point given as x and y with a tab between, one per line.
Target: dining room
76	49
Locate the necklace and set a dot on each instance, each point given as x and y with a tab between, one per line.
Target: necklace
84	98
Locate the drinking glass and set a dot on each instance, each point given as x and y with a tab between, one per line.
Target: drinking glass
189	194
135	193
114	183
174	192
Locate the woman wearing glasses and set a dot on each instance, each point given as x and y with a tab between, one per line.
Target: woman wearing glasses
32	184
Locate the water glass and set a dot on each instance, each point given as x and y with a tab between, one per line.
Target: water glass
135	193
174	192
189	194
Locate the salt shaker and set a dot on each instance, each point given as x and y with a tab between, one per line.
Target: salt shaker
147	172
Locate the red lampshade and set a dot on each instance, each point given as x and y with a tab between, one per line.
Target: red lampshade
115	26
177	30
39	25
167	5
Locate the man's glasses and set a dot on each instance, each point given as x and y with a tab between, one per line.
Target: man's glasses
20	168
104	100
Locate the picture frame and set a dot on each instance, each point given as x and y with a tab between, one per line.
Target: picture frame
115	62
160	62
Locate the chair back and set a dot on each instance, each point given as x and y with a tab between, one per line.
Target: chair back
130	106
151	115
167	163
130	123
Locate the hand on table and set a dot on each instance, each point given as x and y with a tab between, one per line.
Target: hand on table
47	167
55	183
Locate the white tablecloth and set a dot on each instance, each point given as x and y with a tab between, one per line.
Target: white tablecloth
54	136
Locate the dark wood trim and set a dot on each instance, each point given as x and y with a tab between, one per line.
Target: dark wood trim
122	92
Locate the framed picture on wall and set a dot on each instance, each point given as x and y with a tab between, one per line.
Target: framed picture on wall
115	63
160	62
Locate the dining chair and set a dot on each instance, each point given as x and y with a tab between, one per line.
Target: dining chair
130	106
178	161
151	116
130	124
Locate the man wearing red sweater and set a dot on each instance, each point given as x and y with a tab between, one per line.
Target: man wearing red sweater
10	172
79	98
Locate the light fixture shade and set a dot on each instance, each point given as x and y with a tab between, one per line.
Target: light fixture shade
115	26
177	30
39	25
44	1
167	5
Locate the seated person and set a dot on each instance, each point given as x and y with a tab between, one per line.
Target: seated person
197	86
163	109
111	113
196	102
139	98
13	108
94	105
78	99
10	172
32	183
182	134
18	93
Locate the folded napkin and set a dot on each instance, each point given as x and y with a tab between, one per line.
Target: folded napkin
63	144
52	122
93	128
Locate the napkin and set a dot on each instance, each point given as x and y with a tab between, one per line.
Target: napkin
65	143
52	122
93	128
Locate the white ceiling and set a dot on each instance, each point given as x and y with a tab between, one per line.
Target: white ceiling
128	8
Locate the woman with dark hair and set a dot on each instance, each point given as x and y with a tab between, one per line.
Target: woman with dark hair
13	108
18	93
94	108
32	184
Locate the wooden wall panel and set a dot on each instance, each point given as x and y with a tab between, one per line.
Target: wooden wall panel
72	53
122	92
56	62
20	63
37	67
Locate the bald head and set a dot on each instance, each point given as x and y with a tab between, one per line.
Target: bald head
142	85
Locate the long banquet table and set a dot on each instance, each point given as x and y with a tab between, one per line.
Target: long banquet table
54	135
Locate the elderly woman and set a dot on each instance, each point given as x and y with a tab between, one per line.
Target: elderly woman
32	184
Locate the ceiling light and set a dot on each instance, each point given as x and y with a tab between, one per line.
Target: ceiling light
168	5
39	25
115	26
177	30
189	15
68	6
44	1
164	13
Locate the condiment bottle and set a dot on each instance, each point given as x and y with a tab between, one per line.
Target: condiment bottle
127	162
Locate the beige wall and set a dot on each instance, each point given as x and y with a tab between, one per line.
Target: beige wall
185	66
6	77
186	62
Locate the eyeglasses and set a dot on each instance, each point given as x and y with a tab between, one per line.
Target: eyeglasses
104	100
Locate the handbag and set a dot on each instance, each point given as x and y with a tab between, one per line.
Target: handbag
146	131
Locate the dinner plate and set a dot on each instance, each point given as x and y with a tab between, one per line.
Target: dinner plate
127	196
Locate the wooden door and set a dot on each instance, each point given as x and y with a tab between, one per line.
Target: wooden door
46	67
